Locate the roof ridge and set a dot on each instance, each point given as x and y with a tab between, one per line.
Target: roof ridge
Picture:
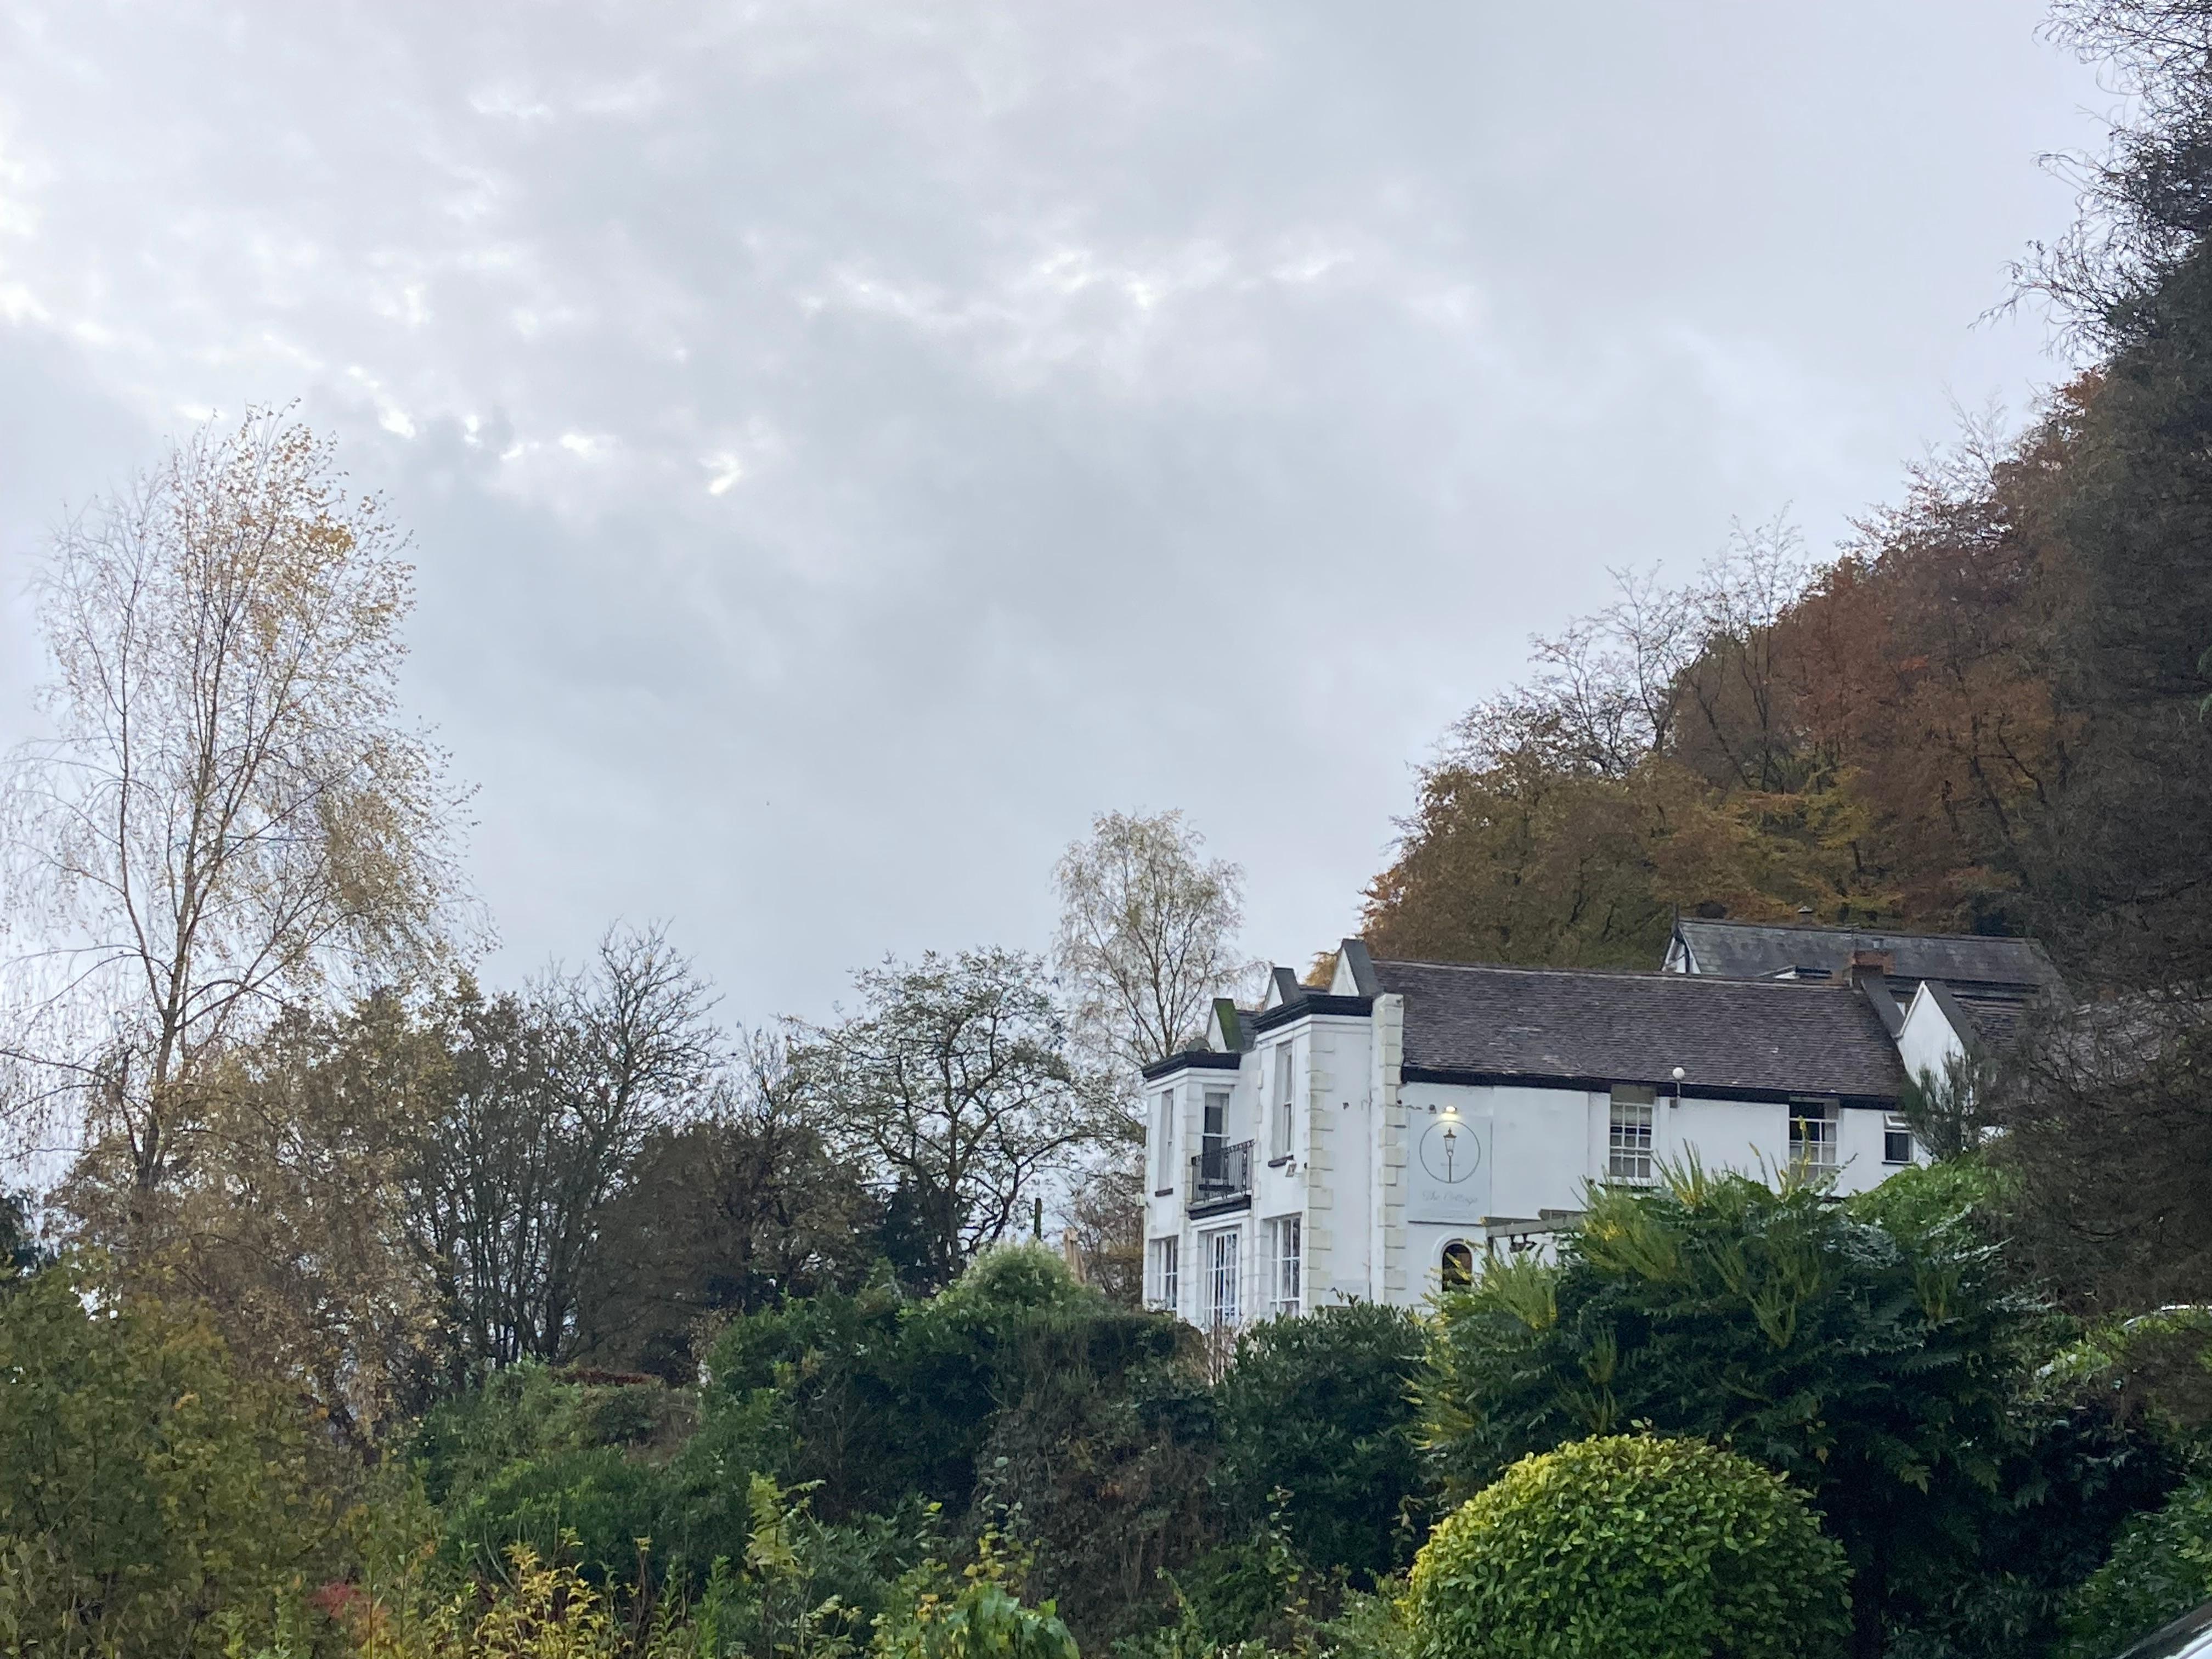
1848	928
1653	974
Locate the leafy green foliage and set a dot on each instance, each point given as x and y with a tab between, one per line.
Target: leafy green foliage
983	1621
1948	1112
1254	1593
2155	1367
1015	1389
1630	1548
531	1409
19	1245
145	1489
1100	1456
886	1397
590	1505
579	1470
1321	1409
1870	1367
2161	1568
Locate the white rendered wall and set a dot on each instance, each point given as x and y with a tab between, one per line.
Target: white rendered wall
1548	1145
1927	1041
1336	1138
1322	1179
1168	1214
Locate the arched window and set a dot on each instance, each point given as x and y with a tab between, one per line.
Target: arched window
1458	1265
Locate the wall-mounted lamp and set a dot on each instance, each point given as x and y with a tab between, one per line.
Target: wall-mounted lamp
1678	1085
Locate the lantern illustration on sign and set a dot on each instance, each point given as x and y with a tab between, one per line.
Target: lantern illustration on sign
1450	1151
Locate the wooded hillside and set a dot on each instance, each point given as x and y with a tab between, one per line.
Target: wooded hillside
1982	715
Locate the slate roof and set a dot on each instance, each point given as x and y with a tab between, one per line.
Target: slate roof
1759	1038
1976	1013
1759	950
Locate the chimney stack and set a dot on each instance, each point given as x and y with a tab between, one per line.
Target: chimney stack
1870	965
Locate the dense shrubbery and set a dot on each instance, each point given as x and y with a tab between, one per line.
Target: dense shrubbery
150	1498
1074	1453
1630	1548
2162	1567
1883	1368
1320	1410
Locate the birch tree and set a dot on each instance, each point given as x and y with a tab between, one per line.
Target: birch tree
1147	939
1147	935
229	812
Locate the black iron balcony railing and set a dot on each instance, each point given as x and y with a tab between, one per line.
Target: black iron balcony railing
1221	1172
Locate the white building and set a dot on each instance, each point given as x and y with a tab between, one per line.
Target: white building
1369	1141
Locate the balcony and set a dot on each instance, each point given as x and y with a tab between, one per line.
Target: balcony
1221	1179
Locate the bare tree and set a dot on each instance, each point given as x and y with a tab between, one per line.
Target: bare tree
1147	935
1608	690
1609	685
551	1098
229	812
1736	685
2142	204
950	1089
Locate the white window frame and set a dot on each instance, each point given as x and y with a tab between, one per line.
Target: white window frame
1894	1125
1814	1126
1281	1119
1287	1258
1632	1129
1221	1259
1163	1137
1162	1265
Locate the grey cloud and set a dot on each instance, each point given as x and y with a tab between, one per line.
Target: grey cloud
846	445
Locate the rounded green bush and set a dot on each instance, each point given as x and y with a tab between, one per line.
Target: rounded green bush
1630	1548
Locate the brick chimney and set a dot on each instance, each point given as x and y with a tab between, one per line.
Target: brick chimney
1870	965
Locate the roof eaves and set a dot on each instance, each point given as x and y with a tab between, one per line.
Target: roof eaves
1313	1003
1200	1060
1664	1087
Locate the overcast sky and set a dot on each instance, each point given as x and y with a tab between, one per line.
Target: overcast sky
847	445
